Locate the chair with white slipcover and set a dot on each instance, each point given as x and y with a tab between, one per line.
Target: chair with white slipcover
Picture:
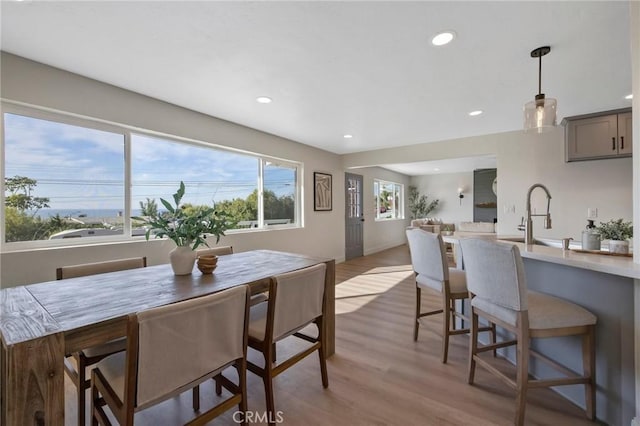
172	348
296	300
89	356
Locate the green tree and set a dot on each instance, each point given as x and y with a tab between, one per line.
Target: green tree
19	194
275	207
419	206
149	207
19	226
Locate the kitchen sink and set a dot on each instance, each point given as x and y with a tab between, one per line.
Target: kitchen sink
548	242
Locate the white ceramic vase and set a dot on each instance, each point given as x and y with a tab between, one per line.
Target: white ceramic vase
182	259
616	246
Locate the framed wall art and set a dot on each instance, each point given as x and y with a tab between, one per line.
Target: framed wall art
322	192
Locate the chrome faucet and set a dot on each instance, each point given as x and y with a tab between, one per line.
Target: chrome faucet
527	226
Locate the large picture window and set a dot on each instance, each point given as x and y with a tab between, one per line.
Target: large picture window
72	179
389	200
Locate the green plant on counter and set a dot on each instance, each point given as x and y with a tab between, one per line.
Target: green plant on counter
615	229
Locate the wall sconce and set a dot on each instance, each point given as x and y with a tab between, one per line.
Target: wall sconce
460	195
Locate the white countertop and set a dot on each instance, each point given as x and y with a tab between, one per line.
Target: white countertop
615	265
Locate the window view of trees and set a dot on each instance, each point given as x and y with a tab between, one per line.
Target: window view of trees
21	208
68	181
389	199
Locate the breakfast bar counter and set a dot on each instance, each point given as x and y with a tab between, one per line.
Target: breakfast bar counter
610	264
603	284
548	250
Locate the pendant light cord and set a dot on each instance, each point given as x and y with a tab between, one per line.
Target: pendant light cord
540	75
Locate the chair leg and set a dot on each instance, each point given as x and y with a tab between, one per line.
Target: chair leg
492	332
80	386
446	323
473	346
589	368
416	323
242	384
218	385
195	396
522	376
323	361
94	398
268	385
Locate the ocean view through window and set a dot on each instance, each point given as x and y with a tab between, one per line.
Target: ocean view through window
66	179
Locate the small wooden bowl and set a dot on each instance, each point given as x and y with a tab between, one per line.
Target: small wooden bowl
207	264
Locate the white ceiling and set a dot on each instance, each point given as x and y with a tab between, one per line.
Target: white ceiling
363	68
451	165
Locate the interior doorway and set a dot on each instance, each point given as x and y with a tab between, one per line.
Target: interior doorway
485	199
354	216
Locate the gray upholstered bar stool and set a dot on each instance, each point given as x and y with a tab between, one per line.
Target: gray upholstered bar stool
429	260
498	290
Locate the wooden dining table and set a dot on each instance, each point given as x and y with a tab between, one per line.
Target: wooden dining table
42	323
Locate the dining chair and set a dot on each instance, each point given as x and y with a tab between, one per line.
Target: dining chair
296	300
429	261
167	354
498	289
90	356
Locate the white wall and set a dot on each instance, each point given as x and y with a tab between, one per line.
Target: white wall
525	159
37	84
444	187
382	234
602	184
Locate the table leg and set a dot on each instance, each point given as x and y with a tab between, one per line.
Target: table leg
329	321
32	377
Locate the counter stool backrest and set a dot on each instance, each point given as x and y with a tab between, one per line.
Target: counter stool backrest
502	281
428	254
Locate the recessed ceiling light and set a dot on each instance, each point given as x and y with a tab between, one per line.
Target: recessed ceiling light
347	136
442	38
436	169
476	112
629	96
264	99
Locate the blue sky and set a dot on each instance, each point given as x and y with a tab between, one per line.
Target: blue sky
79	168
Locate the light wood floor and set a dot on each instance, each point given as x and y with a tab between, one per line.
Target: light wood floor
379	375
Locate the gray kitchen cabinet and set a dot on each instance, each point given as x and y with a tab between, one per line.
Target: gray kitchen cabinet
596	136
624	133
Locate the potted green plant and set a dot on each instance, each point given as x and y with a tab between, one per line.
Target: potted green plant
618	232
187	226
447	230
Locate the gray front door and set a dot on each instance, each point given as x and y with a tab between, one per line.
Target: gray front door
354	216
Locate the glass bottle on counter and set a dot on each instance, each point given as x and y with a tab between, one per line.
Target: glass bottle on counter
590	237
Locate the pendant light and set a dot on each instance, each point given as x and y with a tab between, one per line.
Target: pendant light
540	114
